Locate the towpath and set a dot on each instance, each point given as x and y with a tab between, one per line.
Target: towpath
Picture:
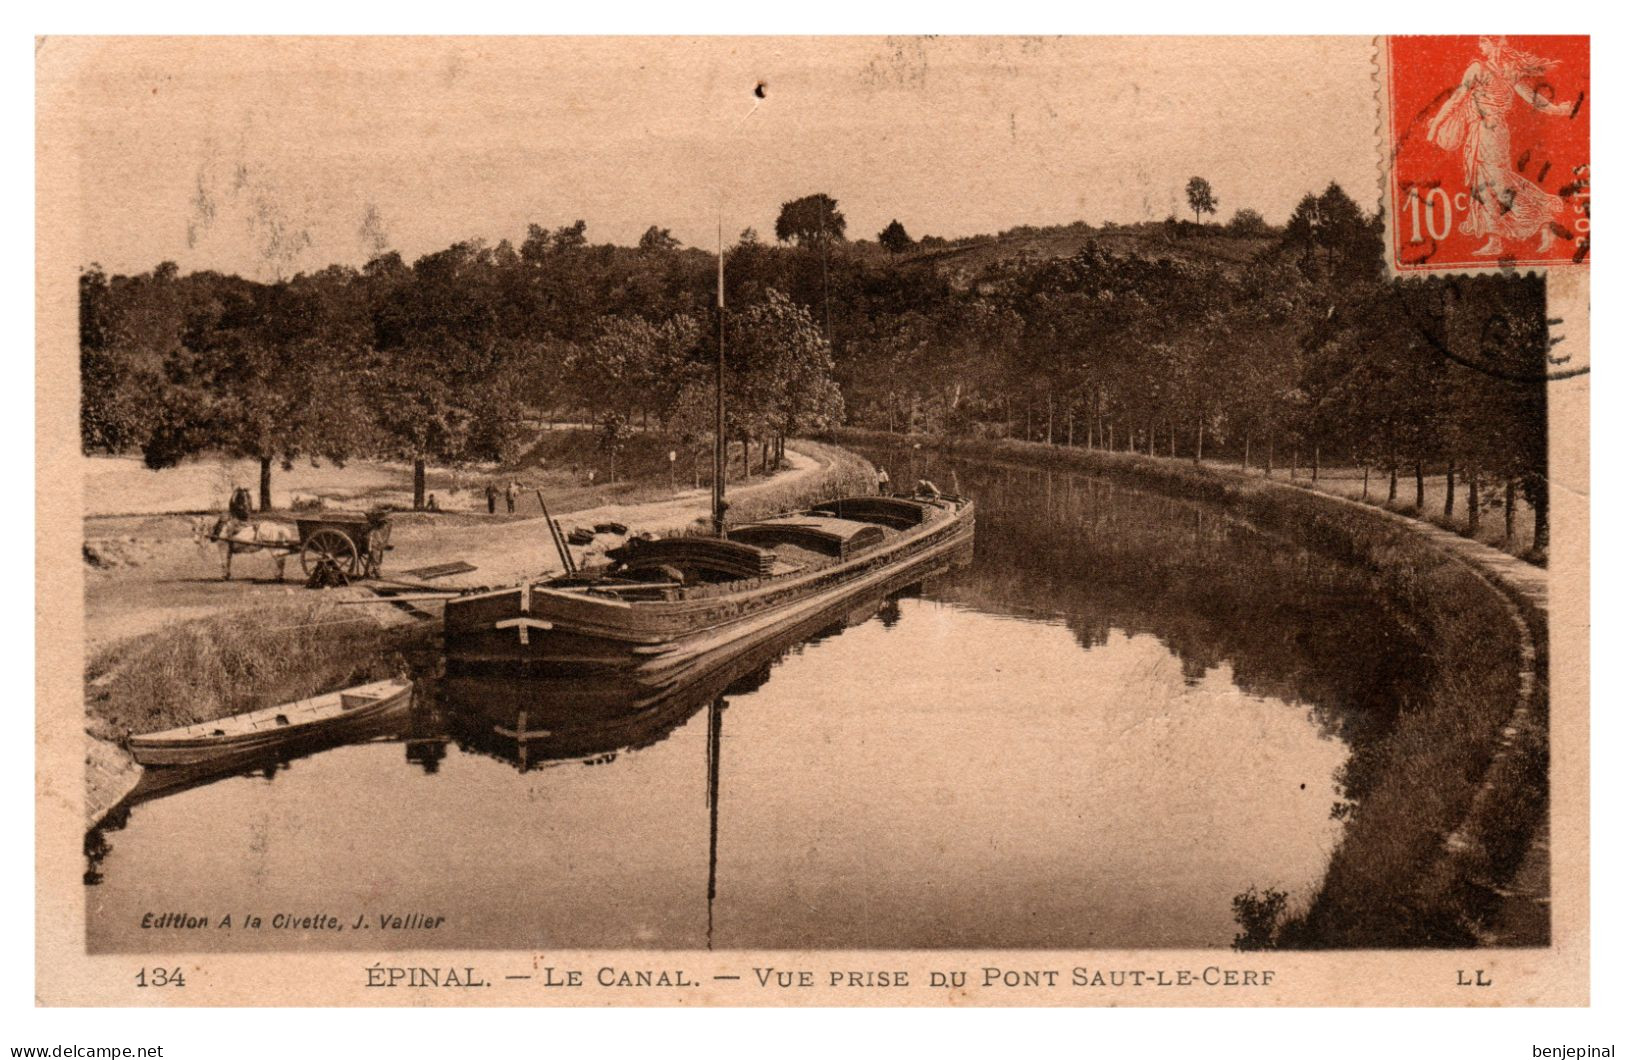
150	571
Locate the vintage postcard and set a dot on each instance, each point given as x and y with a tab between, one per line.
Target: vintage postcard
769	521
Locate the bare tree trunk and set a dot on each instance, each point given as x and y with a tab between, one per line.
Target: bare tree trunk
1049	425
1393	482
1293	474
1365	482
1246	451
1269	458
1420	497
1173	441
418	477
1543	534
1450	490
1314	472
1111	438
265	484
1511	506
1151	440
1472	502
1069	427
1199	426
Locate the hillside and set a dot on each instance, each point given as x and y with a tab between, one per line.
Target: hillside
962	259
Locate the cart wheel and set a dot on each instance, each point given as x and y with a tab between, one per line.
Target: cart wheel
329	546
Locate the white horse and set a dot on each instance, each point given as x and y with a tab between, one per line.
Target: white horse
234	535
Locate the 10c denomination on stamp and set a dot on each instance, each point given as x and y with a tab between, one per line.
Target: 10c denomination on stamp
1488	152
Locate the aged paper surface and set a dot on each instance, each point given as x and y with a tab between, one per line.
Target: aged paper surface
1231	707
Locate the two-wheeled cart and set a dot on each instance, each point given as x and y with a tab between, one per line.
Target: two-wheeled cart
342	546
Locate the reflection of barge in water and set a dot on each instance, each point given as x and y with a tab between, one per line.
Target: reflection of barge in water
528	722
671	605
532	721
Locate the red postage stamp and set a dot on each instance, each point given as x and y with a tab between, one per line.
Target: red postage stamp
1488	152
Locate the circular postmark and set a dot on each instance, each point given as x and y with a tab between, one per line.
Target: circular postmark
1503	326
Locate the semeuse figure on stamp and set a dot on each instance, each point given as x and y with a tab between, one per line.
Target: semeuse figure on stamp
1502	203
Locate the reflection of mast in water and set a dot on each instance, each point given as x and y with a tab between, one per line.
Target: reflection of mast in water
713	760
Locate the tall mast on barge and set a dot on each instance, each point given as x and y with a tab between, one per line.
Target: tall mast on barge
719	457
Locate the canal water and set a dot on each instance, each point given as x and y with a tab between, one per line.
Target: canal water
1128	710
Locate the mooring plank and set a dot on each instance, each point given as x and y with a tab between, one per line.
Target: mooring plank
442	570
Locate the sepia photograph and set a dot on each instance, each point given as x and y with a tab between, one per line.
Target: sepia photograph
813	520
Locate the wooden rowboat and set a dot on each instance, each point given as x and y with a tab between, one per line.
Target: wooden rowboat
272	727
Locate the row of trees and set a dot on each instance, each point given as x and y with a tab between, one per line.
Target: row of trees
440	361
1292	349
1300	354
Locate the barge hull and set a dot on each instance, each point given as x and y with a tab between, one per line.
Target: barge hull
549	632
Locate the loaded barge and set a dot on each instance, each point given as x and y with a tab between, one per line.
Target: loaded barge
667	606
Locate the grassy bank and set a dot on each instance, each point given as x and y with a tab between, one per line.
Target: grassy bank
1395	880
210	668
1351	484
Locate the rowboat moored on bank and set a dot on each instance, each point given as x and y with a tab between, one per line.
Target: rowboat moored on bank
272	727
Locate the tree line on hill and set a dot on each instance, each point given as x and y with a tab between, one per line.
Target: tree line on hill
1157	338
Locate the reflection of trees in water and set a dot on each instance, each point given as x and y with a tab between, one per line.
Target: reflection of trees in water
891	612
96	850
1292	623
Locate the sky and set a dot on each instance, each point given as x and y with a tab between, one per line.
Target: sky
271	156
